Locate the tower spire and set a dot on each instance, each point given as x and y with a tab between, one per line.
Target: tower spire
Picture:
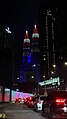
26	42
26	34
35	32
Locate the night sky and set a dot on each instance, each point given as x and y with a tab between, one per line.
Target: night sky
19	14
22	13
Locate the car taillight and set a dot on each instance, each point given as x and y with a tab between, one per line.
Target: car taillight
60	101
39	101
30	98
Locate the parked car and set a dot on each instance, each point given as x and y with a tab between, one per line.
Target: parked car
38	102
55	106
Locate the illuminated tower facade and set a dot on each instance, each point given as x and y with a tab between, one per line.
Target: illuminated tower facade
48	42
26	58
35	52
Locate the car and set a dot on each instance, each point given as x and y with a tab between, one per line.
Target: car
55	105
17	100
38	102
26	100
31	101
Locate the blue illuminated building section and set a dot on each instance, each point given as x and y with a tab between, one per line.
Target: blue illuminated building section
29	59
26	59
26	56
36	65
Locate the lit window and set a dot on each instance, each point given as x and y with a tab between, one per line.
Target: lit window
44	58
32	77
34	65
54	65
44	76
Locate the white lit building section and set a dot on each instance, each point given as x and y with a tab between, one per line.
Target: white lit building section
35	35
35	32
27	40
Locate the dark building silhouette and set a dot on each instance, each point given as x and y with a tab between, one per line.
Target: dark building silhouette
7	41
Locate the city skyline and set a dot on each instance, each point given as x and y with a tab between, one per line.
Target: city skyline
18	15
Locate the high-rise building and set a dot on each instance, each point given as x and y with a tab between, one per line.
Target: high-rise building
26	70
35	51
52	32
30	69
48	46
31	58
7	39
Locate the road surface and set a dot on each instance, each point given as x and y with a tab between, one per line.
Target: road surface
18	111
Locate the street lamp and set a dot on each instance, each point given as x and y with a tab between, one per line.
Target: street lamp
65	63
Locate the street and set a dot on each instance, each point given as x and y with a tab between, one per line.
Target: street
18	111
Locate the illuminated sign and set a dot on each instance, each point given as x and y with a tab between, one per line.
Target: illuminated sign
50	81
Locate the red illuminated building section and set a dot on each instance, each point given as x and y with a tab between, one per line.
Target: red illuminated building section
35	35
26	42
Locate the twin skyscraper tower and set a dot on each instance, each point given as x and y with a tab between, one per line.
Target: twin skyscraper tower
31	57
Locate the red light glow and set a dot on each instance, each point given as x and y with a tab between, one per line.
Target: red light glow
60	101
30	98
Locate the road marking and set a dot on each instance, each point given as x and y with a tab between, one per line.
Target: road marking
2	116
